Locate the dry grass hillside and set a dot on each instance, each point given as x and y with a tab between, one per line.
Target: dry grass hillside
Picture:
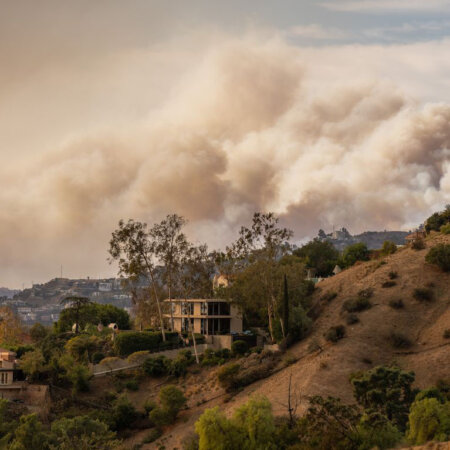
366	343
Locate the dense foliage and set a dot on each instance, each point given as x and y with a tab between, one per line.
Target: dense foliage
93	313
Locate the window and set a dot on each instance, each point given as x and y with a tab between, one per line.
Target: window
187	309
218	309
204	308
204	326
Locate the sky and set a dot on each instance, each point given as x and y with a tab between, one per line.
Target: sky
328	113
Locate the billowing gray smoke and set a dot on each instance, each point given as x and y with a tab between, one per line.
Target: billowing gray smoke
245	131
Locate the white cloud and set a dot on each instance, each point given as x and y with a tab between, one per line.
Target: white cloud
379	6
317	32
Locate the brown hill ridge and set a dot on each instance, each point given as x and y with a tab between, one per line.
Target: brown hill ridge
366	344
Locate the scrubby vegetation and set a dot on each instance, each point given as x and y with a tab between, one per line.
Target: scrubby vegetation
423	294
399	340
440	256
396	303
335	334
388	410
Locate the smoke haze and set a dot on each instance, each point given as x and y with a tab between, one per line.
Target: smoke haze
250	124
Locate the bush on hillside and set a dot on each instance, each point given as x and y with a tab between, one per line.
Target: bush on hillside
351	319
357	304
399	340
418	244
156	367
396	303
226	375
440	256
388	284
366	293
239	348
445	229
429	420
447	333
393	275
388	248
171	400
335	334
423	294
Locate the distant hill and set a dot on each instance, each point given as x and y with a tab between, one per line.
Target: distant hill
373	239
8	293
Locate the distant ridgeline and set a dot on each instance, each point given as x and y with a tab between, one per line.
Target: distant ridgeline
373	239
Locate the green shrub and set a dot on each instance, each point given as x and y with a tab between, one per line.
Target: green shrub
366	293
178	367
357	304
152	435
149	405
429	420
423	294
335	334
109	361
399	340
136	357
440	256
396	303
97	357
388	248
388	284
418	244
239	347
445	229
132	385
227	374
393	275
156	367
123	413
171	401
351	319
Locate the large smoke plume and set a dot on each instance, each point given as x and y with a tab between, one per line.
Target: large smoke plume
246	130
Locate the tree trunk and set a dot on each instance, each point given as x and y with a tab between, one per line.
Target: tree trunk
191	328
159	307
170	302
269	313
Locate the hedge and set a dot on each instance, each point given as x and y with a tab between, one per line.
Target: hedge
134	341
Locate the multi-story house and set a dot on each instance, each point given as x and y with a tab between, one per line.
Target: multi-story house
206	316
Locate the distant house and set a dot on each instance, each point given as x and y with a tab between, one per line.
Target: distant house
206	316
415	236
337	269
7	366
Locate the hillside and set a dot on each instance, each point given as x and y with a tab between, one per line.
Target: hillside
366	343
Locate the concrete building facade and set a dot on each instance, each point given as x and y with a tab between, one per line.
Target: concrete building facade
207	316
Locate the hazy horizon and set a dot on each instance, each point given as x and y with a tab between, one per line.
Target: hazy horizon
326	113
